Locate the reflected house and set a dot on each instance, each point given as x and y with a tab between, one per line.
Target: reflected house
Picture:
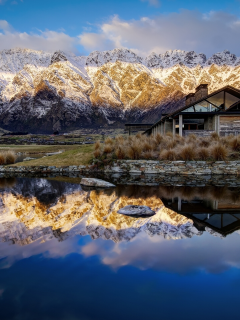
222	216
203	114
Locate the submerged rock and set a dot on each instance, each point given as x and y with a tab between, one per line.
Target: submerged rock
92	182
137	211
28	159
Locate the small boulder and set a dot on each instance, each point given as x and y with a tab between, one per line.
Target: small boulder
92	182
137	211
28	159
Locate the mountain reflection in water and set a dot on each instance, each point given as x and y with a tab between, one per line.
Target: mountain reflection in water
34	209
66	254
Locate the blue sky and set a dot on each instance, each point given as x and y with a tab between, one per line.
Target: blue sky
141	25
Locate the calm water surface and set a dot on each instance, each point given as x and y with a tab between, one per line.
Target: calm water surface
65	253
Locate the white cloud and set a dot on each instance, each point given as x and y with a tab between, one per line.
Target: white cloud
186	30
177	256
5	26
44	40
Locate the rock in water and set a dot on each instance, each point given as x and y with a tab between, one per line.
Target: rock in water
137	211
92	182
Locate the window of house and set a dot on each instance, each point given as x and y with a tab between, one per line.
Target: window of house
217	99
190	109
230	100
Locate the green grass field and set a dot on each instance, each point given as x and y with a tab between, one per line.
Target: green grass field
73	155
34	148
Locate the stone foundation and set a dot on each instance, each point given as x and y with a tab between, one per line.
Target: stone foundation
139	167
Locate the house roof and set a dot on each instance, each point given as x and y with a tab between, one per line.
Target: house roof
228	89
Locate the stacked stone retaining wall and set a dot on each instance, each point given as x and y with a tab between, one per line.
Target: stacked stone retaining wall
139	167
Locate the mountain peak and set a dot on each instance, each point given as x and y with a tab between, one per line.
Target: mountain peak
221	58
14	60
98	58
173	57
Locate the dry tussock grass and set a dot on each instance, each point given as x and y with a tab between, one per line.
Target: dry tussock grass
169	155
97	145
202	153
2	159
187	152
7	157
169	148
97	153
219	152
108	148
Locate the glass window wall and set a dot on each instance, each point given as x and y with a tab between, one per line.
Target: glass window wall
203	106
230	100
214	103
217	99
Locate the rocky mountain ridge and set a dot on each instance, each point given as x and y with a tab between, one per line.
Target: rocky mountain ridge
40	209
44	91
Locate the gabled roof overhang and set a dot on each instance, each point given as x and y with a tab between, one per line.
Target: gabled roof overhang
235	92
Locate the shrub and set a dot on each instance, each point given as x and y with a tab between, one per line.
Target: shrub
2	159
120	139
10	157
147	146
169	147
187	152
168	155
148	155
203	153
136	150
120	153
97	153
204	143
109	141
169	134
158	138
168	143
191	137
107	148
219	152
129	153
235	144
97	145
179	139
214	135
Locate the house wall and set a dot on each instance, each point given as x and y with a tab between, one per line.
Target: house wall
168	126
198	133
229	125
208	124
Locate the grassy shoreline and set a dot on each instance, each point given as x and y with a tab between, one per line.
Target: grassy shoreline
74	155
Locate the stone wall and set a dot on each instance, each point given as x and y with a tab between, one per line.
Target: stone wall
176	167
229	125
139	167
198	133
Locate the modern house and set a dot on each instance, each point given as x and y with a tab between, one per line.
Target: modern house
222	216
203	114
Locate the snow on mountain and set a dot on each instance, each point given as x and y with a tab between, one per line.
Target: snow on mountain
14	60
41	91
34	209
173	57
40	209
222	58
98	58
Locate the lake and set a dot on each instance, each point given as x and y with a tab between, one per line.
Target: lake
65	252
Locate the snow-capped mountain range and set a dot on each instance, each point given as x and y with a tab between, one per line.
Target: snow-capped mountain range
44	91
40	209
